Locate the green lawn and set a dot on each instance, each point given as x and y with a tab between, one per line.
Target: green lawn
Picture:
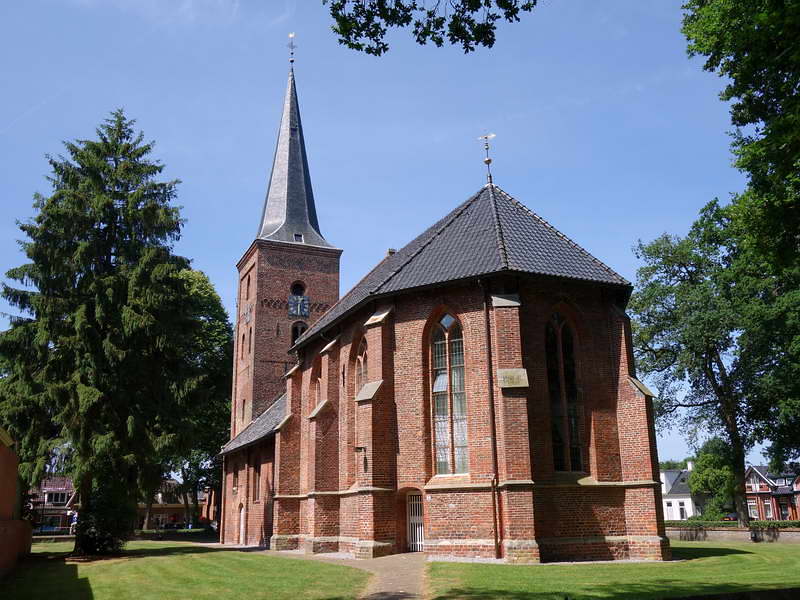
700	568
179	570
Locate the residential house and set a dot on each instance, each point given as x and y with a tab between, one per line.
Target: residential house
168	509
53	502
679	504
772	496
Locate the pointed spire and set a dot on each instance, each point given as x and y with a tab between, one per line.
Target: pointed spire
289	213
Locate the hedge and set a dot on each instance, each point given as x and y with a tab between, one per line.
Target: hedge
718	524
150	531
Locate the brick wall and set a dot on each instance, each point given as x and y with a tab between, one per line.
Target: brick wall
610	510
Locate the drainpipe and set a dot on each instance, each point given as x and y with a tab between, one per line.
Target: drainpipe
221	522
492	425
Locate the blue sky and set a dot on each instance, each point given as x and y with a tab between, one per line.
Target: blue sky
604	126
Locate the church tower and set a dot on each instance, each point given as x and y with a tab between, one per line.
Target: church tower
288	276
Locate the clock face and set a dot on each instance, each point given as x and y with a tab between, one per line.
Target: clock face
298	306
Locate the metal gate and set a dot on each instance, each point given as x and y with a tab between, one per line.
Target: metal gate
416	535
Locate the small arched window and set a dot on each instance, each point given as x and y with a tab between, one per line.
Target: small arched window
298	289
361	365
449	399
297	330
562	389
242	347
317	391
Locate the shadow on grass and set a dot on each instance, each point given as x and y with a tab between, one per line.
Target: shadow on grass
45	578
631	591
685	553
169	551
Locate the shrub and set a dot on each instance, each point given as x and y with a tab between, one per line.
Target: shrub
717	524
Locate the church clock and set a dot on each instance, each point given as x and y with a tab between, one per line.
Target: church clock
298	306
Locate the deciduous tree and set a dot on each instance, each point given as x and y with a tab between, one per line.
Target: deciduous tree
753	45
363	24
687	329
713	478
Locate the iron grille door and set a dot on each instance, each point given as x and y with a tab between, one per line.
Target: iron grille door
416	536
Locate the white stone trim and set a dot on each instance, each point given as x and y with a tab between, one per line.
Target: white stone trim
329	345
379	316
318	408
505	300
369	390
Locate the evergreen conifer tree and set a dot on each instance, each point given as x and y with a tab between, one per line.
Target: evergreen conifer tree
96	371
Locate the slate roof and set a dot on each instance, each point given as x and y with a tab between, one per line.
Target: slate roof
680	486
764	472
261	427
489	233
289	206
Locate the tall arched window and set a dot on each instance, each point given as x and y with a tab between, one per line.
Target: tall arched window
449	399
563	391
317	391
361	365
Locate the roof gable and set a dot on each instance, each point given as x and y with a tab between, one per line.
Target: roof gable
489	233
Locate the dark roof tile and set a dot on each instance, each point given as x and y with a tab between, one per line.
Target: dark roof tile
489	233
261	427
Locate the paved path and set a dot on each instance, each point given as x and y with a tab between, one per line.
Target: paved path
395	577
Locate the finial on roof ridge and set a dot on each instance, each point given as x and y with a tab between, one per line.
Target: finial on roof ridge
291	45
487	161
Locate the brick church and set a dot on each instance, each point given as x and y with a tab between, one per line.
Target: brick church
473	395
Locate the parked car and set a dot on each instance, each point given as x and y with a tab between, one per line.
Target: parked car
731	517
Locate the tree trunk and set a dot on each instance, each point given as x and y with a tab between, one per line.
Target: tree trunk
739	497
147	511
185	494
84	495
195	506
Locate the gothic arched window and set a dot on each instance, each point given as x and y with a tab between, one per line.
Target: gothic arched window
562	389
361	365
317	391
449	399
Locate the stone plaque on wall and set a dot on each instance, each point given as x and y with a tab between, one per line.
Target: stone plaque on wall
512	378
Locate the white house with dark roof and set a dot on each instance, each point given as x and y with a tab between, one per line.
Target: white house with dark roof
679	504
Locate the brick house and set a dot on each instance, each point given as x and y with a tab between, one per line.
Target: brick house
772	496
473	395
54	502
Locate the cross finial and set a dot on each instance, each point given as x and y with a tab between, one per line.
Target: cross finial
291	45
487	161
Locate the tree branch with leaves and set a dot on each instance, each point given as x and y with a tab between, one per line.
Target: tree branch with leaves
364	24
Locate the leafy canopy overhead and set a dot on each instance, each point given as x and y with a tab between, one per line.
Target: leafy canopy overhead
753	45
363	24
